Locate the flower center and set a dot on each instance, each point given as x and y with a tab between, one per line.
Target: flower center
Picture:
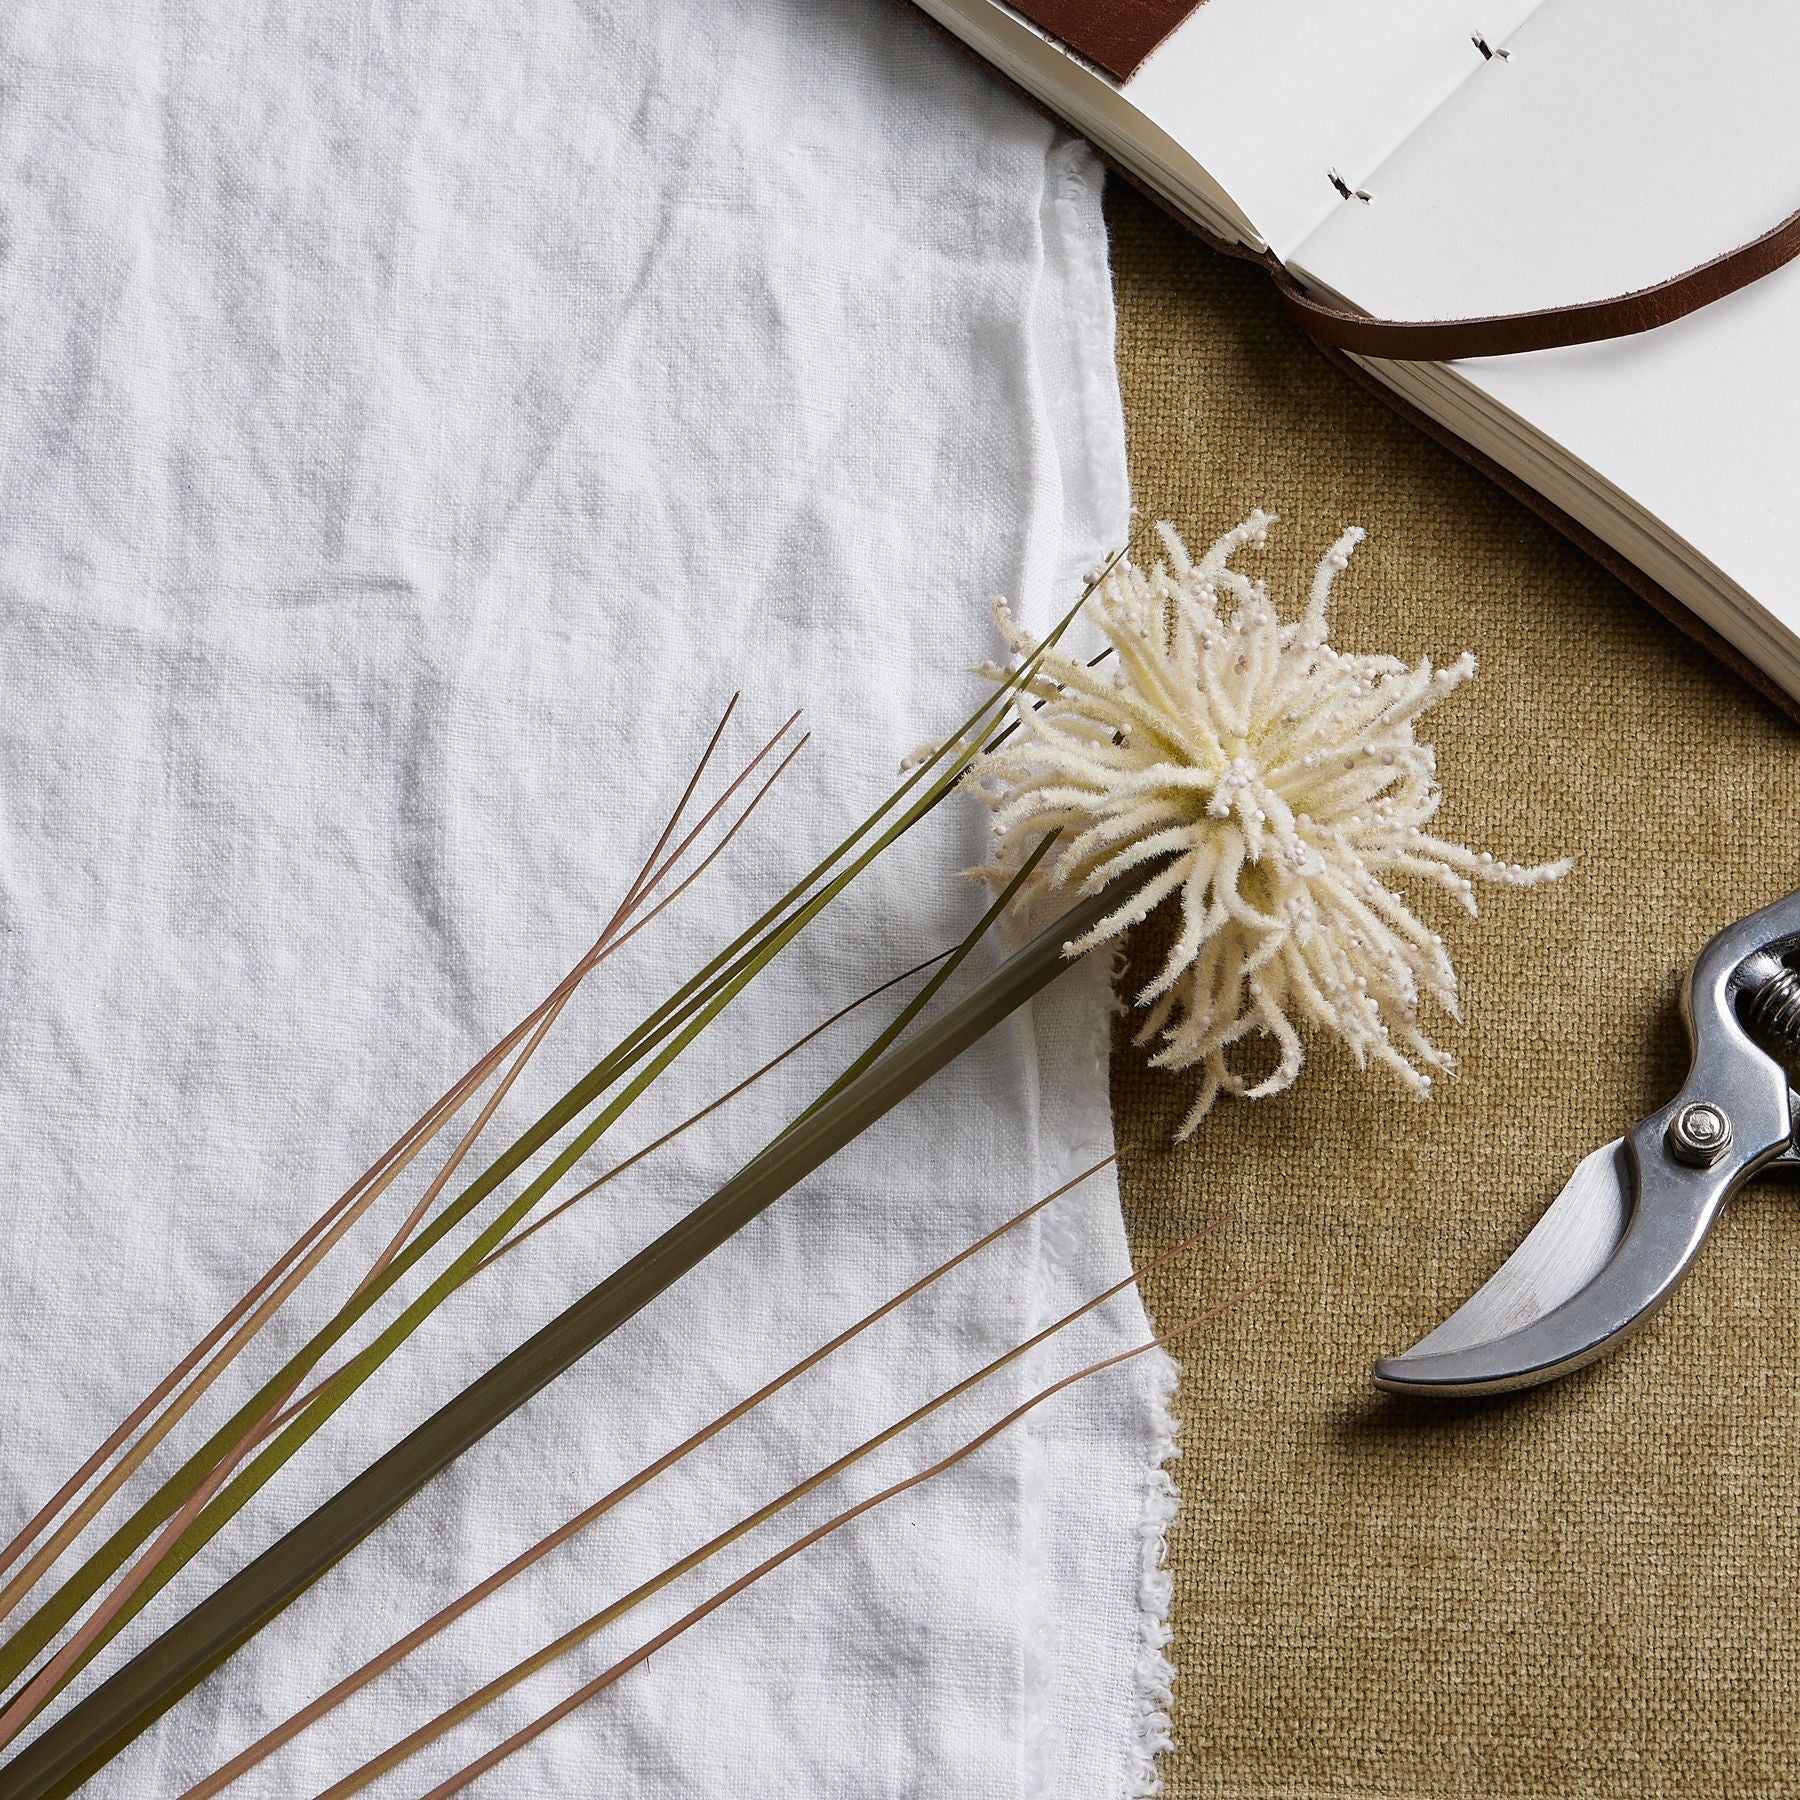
1240	789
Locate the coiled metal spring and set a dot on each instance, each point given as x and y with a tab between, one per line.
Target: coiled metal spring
1772	1004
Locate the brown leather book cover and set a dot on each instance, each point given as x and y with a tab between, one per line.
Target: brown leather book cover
1116	34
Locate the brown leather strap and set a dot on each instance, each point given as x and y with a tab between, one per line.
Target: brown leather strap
1505	334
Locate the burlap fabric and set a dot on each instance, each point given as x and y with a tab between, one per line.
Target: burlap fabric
1591	1590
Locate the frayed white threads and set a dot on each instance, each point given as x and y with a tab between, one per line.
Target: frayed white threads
1271	786
1155	1674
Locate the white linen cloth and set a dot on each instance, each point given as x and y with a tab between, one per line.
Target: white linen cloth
417	422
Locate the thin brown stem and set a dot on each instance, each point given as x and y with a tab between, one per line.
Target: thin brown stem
607	1677
672	823
333	1697
718	849
508	1679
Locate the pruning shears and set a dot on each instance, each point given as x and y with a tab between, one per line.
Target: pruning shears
1633	1217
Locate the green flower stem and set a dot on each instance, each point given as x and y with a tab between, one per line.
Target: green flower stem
97	1728
890	1032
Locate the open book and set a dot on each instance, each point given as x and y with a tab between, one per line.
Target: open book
1442	159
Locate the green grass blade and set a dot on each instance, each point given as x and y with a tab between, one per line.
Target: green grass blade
896	1026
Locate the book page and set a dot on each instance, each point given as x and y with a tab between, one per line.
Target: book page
1242	117
1622	142
1272	97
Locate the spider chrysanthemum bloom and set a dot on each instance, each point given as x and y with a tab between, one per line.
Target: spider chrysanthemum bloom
1267	785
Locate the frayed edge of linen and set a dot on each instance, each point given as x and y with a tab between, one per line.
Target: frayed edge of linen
1155	1673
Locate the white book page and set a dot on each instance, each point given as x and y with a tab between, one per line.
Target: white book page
1242	115
1271	96
1622	142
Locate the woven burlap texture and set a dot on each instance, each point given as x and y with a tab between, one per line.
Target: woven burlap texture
1586	1591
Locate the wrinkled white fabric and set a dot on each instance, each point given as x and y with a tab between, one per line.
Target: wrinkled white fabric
416	423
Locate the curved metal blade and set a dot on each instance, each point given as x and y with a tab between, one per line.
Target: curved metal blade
1561	1254
1633	1217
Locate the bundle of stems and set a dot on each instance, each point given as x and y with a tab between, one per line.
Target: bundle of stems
207	1361
191	1377
561	1646
194	1503
591	1689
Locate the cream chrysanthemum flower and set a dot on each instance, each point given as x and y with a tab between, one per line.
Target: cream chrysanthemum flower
1268	785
